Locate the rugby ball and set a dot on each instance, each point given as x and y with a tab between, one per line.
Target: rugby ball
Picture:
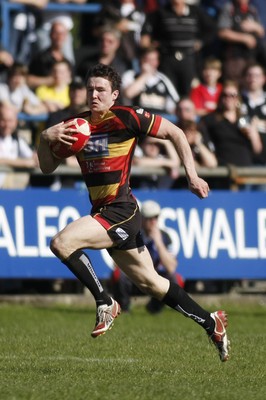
61	150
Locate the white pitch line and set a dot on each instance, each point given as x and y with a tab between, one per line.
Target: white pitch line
71	358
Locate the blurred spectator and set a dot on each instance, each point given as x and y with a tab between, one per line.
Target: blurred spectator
14	151
77	96
128	18
108	53
150	88
56	96
160	247
203	154
180	30
6	61
205	96
23	29
78	104
40	66
186	117
156	153
186	110
47	19
17	92
254	103
242	34
234	140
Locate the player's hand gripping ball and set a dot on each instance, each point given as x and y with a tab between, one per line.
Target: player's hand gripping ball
61	150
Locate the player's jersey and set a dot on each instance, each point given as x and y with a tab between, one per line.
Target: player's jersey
105	161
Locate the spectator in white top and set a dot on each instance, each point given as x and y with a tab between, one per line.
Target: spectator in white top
17	92
14	151
150	88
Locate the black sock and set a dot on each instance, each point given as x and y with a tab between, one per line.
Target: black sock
179	300
80	265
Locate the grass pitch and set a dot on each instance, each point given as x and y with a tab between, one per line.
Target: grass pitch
47	353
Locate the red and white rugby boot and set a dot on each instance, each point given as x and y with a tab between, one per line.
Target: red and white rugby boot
105	316
219	336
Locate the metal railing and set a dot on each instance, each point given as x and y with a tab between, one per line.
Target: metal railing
7	8
236	176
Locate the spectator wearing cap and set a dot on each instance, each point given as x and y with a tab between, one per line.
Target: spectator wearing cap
159	244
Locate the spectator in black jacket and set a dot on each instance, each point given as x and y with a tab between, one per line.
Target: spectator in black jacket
180	31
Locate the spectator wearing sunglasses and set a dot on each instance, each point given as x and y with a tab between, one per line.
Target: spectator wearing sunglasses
235	139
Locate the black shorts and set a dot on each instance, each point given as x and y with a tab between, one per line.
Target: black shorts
123	223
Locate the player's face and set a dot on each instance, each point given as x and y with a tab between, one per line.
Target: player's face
100	96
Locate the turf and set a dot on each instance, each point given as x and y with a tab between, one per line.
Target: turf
47	353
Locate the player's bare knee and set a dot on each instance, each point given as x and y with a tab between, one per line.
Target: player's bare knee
57	246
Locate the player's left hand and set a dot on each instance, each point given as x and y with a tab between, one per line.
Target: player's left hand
199	187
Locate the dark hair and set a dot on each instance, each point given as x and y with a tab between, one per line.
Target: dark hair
188	125
106	72
17	69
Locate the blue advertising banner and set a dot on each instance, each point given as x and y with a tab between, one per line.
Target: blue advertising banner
222	237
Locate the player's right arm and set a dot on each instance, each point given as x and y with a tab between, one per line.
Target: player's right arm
59	132
168	130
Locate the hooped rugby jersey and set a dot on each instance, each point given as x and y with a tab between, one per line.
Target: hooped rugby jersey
106	160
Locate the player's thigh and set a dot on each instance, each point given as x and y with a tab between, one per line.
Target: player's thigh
85	232
138	266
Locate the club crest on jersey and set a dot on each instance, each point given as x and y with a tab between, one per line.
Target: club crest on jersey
97	146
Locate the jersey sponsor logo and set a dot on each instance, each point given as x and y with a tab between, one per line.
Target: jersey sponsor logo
97	166
97	146
121	233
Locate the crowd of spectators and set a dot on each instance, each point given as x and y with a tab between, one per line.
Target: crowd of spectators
201	63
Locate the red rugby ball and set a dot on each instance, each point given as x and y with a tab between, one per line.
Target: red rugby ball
61	150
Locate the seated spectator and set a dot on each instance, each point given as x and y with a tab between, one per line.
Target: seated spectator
150	88
17	92
56	96
78	104
41	64
156	153
108	53
203	154
160	246
234	142
254	103
186	110
47	19
205	96
14	151
241	32
127	17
